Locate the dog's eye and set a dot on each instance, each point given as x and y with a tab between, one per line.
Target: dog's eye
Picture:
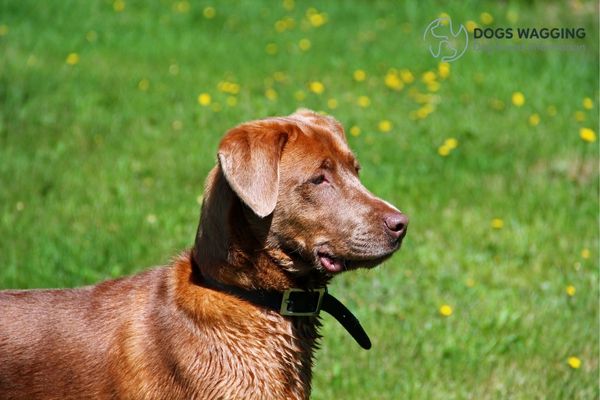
319	179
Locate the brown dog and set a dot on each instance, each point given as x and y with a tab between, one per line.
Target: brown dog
283	209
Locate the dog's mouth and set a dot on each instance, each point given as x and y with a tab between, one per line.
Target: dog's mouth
330	263
334	265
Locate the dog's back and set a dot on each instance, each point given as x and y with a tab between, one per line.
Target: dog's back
66	339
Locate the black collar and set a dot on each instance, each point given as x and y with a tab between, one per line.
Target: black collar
299	303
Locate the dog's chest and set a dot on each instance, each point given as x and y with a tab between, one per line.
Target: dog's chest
274	365
263	357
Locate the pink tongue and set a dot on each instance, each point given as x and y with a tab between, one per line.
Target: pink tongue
330	264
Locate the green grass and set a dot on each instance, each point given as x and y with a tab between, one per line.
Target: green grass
99	179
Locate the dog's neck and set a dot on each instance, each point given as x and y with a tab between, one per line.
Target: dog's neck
231	245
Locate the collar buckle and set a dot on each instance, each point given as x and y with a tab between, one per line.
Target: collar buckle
302	303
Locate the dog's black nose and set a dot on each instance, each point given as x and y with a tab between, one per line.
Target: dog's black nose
396	224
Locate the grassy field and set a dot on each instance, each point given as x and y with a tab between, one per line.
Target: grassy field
110	114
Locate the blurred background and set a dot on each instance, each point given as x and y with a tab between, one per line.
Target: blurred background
111	111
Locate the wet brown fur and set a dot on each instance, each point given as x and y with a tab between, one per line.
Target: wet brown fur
163	334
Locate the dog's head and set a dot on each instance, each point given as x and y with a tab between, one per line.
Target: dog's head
301	182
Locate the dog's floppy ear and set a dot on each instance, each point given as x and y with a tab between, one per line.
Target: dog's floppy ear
249	157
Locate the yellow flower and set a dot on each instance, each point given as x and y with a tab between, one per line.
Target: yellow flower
574	362
421	113
443	150
486	18
579	116
119	5
433	86
3	30
144	85
446	148
518	99
304	44
317	19
204	99
228	87
444	18
271	94
588	104
571	290
552	111
289	22
470	282
585	253
360	75
406	76
587	135
385	126
232	101
446	310
209	12
424	111
392	80
332	103
271	48
534	119
285	23
497	223
72	59
316	87
451	143
444	70
363	101
471	25
428	77
355	131
300	95
280	26
288	4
